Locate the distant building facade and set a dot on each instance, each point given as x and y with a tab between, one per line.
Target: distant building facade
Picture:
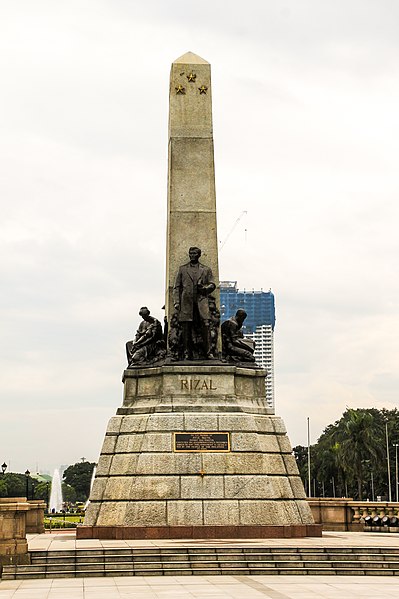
259	324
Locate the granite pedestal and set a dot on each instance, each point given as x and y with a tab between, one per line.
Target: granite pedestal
144	484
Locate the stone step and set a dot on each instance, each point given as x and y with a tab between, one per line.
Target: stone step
204	571
100	562
55	556
357	561
137	568
206	560
213	551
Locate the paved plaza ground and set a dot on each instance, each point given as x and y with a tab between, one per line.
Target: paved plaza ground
67	540
209	587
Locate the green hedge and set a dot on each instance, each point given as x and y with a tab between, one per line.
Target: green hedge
60	524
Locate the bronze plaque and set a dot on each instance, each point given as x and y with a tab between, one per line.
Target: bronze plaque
197	441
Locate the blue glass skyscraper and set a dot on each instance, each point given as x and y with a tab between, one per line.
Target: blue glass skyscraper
259	305
259	324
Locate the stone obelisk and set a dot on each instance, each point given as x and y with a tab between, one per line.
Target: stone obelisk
191	172
194	451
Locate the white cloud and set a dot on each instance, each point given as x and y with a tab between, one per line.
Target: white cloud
306	140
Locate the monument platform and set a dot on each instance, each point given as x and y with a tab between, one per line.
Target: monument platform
194	452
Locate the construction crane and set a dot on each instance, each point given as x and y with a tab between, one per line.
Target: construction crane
232	229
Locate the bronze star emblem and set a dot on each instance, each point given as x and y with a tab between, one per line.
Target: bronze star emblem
192	77
203	89
180	89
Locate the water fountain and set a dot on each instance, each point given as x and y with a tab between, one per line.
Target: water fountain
56	501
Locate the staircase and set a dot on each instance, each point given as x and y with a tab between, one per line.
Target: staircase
207	561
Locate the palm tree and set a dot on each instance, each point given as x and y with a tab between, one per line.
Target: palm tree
359	435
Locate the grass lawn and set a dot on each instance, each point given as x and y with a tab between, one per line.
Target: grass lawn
61	522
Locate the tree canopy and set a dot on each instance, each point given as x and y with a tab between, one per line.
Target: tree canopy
349	458
75	486
13	484
79	476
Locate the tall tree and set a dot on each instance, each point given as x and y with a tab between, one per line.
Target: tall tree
350	454
359	435
79	477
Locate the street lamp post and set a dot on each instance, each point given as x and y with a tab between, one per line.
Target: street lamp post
396	445
3	468
388	463
27	474
309	468
47	495
372	486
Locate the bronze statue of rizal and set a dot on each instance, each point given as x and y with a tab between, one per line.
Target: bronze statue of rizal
194	282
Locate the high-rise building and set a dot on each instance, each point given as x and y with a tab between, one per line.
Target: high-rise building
259	324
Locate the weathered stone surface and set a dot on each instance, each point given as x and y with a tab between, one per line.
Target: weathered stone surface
109	444
233	463
185	513
145	513
257	487
129	443
134	424
123	464
269	443
111	513
237	422
305	512
198	192
98	488
157	442
92	513
255	512
155	487
245	441
172	463
114	425
268	512
118	487
264	424
220	513
150	386
244	386
166	422
290	464
282	487
273	464
297	487
284	444
202	487
278	424
248	486
201	422
104	464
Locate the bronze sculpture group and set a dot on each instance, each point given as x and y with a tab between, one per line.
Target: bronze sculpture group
148	345
192	333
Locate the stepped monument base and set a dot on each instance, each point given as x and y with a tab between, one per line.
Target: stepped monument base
195	453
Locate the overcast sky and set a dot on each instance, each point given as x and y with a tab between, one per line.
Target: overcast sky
306	127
